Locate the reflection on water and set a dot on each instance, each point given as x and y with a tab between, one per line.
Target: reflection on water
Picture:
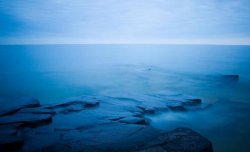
54	72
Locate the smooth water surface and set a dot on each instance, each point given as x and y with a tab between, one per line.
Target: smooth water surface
55	72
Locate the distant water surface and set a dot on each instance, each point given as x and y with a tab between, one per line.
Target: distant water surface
55	72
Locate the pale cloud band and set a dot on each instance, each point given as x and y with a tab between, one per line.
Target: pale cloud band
130	21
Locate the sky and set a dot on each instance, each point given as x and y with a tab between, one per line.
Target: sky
125	21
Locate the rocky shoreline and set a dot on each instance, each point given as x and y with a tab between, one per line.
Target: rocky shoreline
114	123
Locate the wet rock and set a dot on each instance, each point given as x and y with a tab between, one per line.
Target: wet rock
147	110
38	110
181	140
72	108
151	106
112	137
10	143
117	124
134	120
153	149
176	106
40	142
8	130
77	121
85	101
26	120
75	104
228	79
231	76
12	105
192	102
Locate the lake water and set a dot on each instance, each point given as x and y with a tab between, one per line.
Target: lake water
55	72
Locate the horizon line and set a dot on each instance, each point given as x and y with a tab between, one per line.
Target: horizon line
61	41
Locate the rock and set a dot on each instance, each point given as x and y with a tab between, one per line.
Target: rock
10	143
117	124
37	110
176	106
229	79
8	130
192	102
182	140
40	142
77	121
153	149
75	104
112	137
72	108
26	120
134	120
231	76
85	101
147	110
13	105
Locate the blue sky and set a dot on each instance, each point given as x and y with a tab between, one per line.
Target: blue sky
125	21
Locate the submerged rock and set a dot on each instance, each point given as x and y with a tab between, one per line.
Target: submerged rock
228	79
231	76
10	143
91	124
134	120
37	110
177	106
12	105
112	137
26	120
75	104
8	130
192	102
179	140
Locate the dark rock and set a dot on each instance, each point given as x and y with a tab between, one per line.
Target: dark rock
13	105
113	137
231	76
26	120
40	142
72	108
38	110
192	102
8	130
134	120
153	149
117	124
75	104
86	101
181	140
177	107
10	143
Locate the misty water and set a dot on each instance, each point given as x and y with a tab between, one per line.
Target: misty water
52	73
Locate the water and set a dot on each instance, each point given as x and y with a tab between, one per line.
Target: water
55	72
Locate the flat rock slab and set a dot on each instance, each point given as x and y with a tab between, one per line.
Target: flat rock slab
231	77
180	140
37	110
75	104
12	105
99	124
10	143
27	120
84	101
110	137
134	120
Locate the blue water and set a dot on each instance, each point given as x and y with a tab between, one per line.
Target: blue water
55	72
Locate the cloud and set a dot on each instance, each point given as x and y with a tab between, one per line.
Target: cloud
140	20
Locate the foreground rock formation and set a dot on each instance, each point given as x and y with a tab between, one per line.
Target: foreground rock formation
114	123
